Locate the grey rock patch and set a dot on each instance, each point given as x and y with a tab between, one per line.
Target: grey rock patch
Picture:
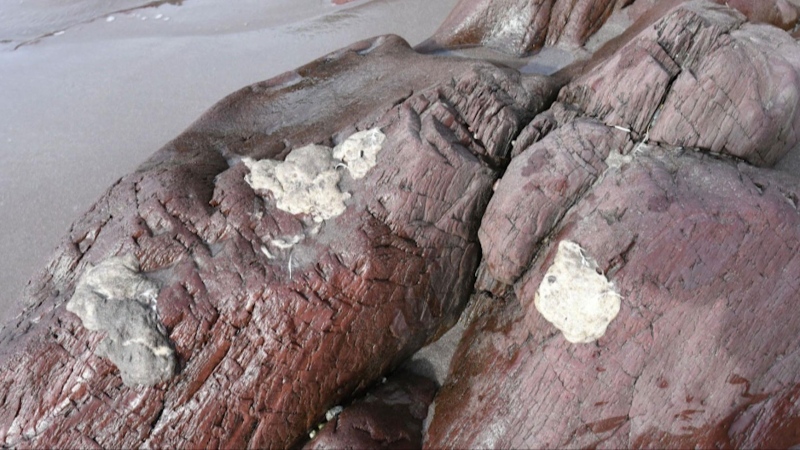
114	297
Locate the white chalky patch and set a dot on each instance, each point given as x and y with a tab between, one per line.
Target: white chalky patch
575	298
287	242
359	152
307	181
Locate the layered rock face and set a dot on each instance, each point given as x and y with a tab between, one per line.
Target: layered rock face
520	27
389	416
274	313
629	253
660	185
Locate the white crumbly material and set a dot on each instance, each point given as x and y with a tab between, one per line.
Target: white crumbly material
359	152
307	181
575	298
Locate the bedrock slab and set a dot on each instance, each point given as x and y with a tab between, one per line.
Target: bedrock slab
688	94
274	314
521	27
705	349
680	99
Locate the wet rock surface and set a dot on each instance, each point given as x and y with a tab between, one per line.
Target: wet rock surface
522	27
653	162
690	96
704	349
275	316
699	242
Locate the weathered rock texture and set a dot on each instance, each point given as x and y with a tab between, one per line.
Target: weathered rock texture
275	318
520	27
685	98
658	181
654	159
390	416
705	349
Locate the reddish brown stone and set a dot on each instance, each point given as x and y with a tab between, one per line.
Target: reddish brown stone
702	248
689	95
267	342
705	351
547	179
521	27
644	160
389	416
781	13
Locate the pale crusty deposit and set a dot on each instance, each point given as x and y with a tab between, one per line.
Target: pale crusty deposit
575	298
307	181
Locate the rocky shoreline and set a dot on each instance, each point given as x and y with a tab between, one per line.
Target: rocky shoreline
649	162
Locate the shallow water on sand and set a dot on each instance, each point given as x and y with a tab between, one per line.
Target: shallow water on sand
90	91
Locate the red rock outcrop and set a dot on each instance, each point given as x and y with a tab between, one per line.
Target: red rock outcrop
692	97
389	416
652	162
700	244
521	28
274	316
781	13
705	349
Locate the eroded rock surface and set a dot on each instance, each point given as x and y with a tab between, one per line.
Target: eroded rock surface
520	27
690	96
309	233
276	314
705	347
389	416
699	242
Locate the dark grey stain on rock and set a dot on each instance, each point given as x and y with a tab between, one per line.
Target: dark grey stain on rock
113	297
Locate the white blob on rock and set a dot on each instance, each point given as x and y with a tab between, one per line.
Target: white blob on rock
307	181
359	152
575	298
115	298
